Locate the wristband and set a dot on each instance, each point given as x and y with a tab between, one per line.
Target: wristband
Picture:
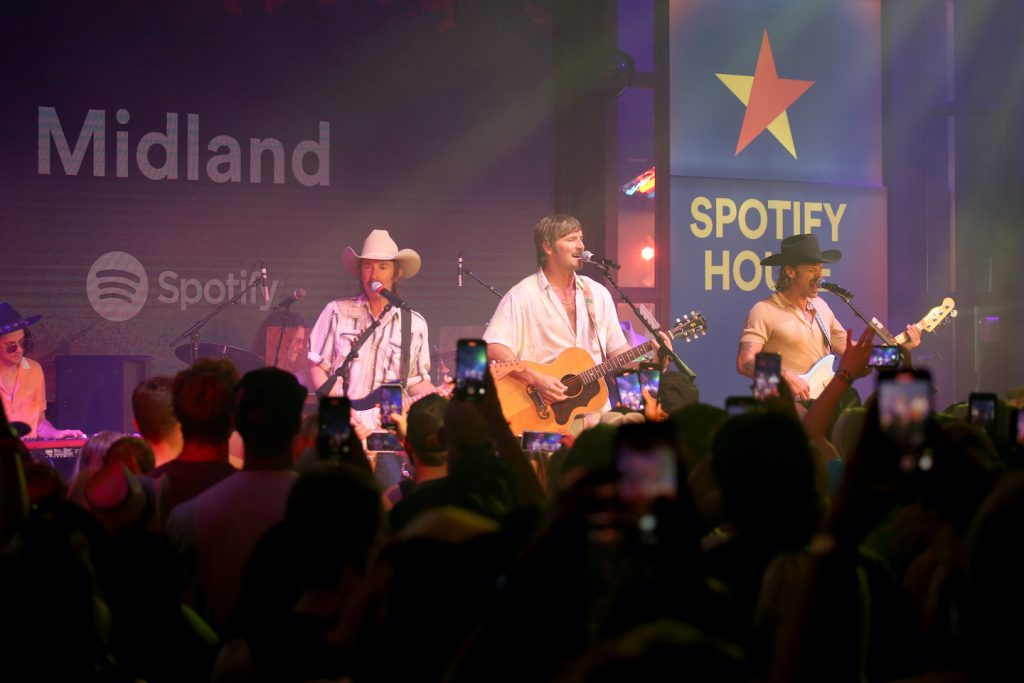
844	375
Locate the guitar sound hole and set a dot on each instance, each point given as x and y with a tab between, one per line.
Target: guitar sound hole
570	388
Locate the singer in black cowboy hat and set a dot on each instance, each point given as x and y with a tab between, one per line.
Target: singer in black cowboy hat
22	387
793	321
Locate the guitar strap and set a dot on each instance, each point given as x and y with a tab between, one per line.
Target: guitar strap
588	297
403	362
821	326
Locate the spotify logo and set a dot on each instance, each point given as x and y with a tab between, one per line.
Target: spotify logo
117	286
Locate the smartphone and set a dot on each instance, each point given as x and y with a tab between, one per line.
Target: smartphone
650	377
904	406
885	357
383	442
627	382
334	427
1019	422
646	459
737	405
767	375
981	411
390	403
541	442
470	366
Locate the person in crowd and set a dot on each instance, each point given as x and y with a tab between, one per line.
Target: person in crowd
202	400
216	530
153	408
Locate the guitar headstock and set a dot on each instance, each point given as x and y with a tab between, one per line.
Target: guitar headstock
502	368
690	326
938	314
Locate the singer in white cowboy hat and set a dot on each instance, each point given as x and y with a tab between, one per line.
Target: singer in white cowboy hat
379	359
785	322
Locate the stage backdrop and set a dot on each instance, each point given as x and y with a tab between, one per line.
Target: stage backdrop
156	154
775	131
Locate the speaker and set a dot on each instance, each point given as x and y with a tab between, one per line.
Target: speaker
94	393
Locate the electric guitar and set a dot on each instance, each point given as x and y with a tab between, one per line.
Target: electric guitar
821	372
524	408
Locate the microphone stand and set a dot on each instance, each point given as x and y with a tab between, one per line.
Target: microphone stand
879	330
193	331
345	369
469	272
655	337
280	337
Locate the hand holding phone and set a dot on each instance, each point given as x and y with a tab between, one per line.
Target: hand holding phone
541	442
334	427
904	406
650	378
767	375
981	411
647	462
470	366
390	403
628	384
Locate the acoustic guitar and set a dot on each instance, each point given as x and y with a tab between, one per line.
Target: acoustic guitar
821	373
524	408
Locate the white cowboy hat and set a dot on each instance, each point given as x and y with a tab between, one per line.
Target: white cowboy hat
381	247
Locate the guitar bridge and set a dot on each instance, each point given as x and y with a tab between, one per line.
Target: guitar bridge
538	402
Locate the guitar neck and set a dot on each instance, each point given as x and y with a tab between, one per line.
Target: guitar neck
617	363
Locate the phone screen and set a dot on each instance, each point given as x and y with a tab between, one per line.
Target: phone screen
885	357
334	427
767	375
904	405
650	378
628	384
1020	427
645	457
981	410
390	403
470	366
383	441
737	405
541	442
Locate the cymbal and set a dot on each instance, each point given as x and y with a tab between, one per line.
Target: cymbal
243	360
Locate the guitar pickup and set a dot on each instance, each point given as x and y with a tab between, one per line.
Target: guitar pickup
538	402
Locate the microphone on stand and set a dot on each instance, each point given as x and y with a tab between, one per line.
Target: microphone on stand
460	269
263	282
390	296
835	289
298	295
589	257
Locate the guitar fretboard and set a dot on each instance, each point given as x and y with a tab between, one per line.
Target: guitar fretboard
620	361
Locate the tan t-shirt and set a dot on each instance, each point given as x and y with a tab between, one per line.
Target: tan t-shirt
782	328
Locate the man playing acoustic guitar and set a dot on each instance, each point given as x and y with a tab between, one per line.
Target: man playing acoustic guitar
794	321
551	311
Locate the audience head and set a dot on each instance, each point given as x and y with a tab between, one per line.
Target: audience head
677	391
765	468
203	398
93	452
135	453
336	514
423	430
153	406
695	427
268	413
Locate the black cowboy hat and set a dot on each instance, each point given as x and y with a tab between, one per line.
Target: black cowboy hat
11	320
802	249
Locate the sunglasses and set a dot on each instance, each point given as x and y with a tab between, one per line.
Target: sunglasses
13	346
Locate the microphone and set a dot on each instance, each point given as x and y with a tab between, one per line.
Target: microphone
390	296
460	269
835	289
298	295
263	282
589	257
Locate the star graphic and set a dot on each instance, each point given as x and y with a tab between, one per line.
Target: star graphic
767	97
